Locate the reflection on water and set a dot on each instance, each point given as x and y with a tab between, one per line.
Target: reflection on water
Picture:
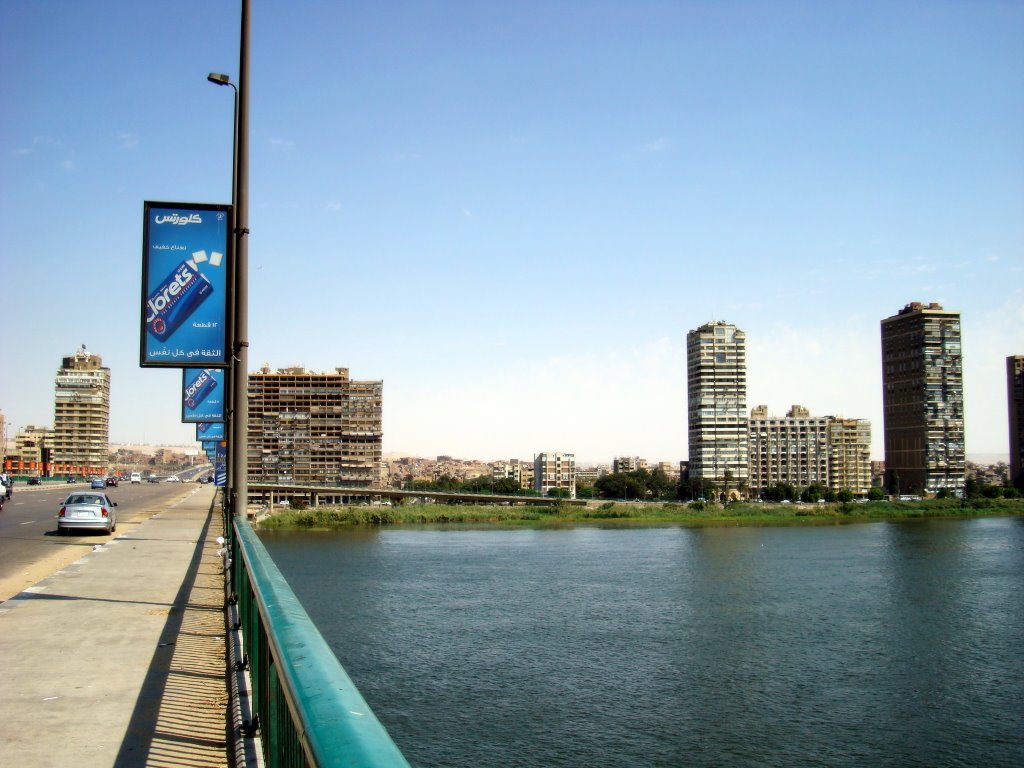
883	644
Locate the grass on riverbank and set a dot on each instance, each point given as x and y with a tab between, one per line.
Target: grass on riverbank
640	514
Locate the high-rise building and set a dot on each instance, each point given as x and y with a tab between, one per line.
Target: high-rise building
849	455
800	450
81	414
554	471
923	400
1015	409
309	427
791	450
716	371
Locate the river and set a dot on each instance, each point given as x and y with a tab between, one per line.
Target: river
882	644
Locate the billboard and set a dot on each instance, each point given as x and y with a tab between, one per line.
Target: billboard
202	395
185	267
220	465
210	430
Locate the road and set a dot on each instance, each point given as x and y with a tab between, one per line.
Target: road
30	548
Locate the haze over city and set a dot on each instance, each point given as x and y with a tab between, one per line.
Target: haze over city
513	214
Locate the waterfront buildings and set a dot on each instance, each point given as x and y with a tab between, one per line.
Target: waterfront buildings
310	427
555	471
716	370
81	415
800	450
1015	410
791	450
922	400
849	455
514	469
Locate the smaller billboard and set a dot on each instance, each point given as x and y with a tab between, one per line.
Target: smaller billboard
220	465
209	431
202	395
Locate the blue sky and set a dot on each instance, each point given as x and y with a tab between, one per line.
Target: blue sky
512	213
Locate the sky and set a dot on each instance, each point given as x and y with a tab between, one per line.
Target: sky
513	213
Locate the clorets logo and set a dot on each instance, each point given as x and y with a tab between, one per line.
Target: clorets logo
181	221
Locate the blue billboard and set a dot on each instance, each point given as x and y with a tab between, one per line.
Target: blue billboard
185	269
210	430
220	465
202	395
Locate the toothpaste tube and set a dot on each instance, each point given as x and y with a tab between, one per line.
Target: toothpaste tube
197	391
177	297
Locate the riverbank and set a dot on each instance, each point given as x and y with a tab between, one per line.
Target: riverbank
610	513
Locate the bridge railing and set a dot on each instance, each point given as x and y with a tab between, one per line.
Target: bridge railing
310	712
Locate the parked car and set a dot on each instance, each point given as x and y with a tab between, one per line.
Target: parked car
97	482
172	479
89	510
112	482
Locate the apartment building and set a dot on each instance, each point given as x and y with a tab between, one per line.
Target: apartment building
81	415
849	455
520	471
799	450
791	450
923	400
718	433
311	427
554	471
1015	411
628	464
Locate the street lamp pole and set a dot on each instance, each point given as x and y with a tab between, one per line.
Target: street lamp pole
218	78
238	437
238	446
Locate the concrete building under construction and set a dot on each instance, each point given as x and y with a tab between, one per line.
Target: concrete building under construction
309	427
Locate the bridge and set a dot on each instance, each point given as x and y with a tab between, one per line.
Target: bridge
342	494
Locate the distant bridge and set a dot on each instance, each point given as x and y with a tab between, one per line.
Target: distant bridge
341	492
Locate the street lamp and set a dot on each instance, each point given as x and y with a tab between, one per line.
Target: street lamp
239	419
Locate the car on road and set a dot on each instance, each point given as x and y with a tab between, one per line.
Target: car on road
172	479
112	482
153	479
89	510
34	481
97	482
135	477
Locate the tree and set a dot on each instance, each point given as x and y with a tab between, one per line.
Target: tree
507	486
845	495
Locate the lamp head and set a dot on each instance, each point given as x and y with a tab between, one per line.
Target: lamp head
218	79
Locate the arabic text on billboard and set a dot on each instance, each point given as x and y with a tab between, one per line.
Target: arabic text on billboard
202	396
185	285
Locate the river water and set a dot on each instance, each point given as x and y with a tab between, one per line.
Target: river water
883	644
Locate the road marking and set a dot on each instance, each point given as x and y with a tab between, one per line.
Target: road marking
28	522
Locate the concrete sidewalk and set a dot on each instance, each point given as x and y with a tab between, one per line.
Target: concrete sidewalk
119	658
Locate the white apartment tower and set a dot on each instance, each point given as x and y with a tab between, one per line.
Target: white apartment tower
716	373
81	414
554	471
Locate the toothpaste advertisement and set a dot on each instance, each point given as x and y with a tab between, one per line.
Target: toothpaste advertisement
202	395
220	465
210	430
185	285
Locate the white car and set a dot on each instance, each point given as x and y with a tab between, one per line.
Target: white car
87	510
172	479
135	477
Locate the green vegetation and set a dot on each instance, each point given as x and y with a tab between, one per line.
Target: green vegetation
693	513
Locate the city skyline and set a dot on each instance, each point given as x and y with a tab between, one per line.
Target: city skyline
513	215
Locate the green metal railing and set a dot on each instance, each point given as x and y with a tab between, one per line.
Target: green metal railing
310	712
